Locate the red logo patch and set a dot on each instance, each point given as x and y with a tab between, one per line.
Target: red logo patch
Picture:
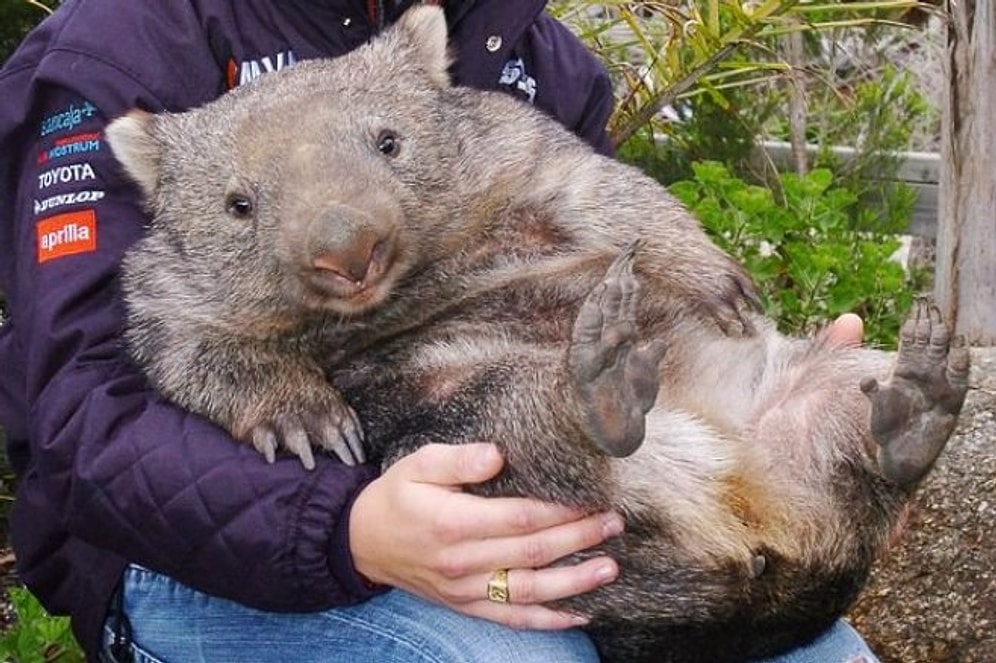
67	234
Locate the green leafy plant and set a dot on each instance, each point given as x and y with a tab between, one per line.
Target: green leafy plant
876	120
802	249
36	636
705	131
661	52
720	70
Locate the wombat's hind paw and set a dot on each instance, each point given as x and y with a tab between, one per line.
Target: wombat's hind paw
615	381
915	411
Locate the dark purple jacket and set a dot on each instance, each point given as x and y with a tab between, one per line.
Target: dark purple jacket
109	472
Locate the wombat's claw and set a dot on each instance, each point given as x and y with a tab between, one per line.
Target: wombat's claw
616	381
732	307
331	426
264	440
914	413
341	434
758	564
267	440
295	440
728	299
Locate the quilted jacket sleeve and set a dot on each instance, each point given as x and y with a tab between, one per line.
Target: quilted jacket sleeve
574	87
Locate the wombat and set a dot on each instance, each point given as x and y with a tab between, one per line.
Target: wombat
458	267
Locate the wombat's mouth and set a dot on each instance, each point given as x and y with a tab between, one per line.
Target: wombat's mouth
331	291
355	281
327	290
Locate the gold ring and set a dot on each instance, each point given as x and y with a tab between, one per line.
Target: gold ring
498	586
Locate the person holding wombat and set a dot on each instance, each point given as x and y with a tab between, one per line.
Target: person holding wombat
220	554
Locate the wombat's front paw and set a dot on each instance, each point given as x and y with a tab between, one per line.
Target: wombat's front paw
915	411
327	422
616	381
729	301
731	305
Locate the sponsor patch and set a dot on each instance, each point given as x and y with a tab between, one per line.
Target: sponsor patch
67	119
76	172
84	143
64	199
67	234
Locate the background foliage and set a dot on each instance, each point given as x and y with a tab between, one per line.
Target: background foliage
703	86
16	18
35	636
803	249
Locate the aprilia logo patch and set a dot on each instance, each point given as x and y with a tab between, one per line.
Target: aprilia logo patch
67	234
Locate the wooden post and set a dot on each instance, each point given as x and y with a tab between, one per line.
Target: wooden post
965	280
795	54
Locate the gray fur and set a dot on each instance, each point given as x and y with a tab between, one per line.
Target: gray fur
493	279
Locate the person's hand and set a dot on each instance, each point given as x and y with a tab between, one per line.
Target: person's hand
415	529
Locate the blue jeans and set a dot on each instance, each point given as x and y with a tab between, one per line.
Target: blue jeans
172	623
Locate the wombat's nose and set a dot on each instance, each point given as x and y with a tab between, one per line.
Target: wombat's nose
361	261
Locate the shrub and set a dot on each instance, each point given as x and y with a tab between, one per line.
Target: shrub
17	17
802	249
37	637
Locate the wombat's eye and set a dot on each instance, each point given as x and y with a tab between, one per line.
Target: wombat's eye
239	205
388	143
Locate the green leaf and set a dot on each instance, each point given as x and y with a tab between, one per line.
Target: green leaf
752	200
817	181
35	635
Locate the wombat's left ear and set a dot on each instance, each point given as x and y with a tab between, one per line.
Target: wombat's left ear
424	29
133	140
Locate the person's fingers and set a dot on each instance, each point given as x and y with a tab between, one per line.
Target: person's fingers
466	516
533	550
529	586
535	616
847	330
451	465
490	520
529	591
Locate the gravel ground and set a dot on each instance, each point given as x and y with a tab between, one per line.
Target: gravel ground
933	598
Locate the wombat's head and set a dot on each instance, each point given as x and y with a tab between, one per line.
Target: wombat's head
309	189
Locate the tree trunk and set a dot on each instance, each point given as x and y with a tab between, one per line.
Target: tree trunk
795	54
965	283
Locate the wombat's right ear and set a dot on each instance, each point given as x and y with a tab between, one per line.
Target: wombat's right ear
424	27
133	140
